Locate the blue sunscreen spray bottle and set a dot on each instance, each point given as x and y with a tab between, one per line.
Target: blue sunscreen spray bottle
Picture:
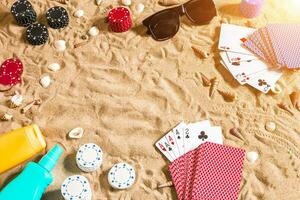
34	179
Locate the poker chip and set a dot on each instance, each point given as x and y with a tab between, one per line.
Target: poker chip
89	157
119	19
121	176
37	34
76	187
23	12
57	17
11	71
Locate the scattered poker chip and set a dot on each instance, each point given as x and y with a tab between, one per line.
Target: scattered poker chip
10	72
57	17
23	12
37	34
76	187
89	157
119	19
121	176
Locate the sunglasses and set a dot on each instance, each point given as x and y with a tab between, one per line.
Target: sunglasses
165	24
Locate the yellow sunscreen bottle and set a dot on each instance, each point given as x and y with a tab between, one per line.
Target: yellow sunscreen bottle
19	145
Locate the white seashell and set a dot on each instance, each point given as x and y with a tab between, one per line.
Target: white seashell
76	133
277	89
45	81
270	126
6	117
94	31
60	45
252	156
16	100
79	13
54	67
126	2
140	8
98	2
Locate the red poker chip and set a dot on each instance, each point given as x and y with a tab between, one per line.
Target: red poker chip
10	72
119	19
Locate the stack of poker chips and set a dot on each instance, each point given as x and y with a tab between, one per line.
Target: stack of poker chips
121	176
89	157
23	12
57	17
119	19
76	187
37	34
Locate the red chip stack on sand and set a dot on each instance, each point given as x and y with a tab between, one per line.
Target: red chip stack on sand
10	72
119	19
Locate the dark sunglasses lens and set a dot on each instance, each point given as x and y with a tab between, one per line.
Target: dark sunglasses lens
200	11
164	25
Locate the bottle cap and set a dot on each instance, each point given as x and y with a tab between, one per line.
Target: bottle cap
49	160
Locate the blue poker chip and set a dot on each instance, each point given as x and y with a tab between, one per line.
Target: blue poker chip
89	157
76	187
121	176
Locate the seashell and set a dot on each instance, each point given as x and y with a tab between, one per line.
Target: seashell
94	31
167	184
237	133
294	97
228	96
205	81
276	89
213	87
140	8
169	2
285	107
16	100
54	67
45	81
199	52
270	126
98	2
252	156
80	44
6	117
62	1
29	106
126	2
60	45
76	133
26	122
79	13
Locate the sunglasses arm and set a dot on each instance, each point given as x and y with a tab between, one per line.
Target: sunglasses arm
181	10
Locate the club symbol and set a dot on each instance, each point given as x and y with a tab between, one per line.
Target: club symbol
202	136
261	82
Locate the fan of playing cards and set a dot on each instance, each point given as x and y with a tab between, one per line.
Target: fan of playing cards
201	167
245	66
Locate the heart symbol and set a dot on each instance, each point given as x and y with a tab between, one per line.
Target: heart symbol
11	71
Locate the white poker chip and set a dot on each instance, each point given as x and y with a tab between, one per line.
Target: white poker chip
76	187
89	157
121	176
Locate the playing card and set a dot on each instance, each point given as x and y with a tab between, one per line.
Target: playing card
237	57
166	149
218	172
173	143
179	137
232	38
189	130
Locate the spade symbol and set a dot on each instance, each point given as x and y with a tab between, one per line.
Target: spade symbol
187	136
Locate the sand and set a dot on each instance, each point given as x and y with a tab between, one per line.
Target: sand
126	91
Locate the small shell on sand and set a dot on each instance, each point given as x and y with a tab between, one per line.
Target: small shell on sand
7	117
277	89
98	2
45	81
76	133
295	97
126	2
200	52
214	85
252	156
140	8
228	96
270	126
79	13
60	45
167	184
16	100
169	2
285	107
205	81
54	67
237	133
94	31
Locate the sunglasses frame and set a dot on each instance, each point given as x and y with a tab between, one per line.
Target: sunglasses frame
179	11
